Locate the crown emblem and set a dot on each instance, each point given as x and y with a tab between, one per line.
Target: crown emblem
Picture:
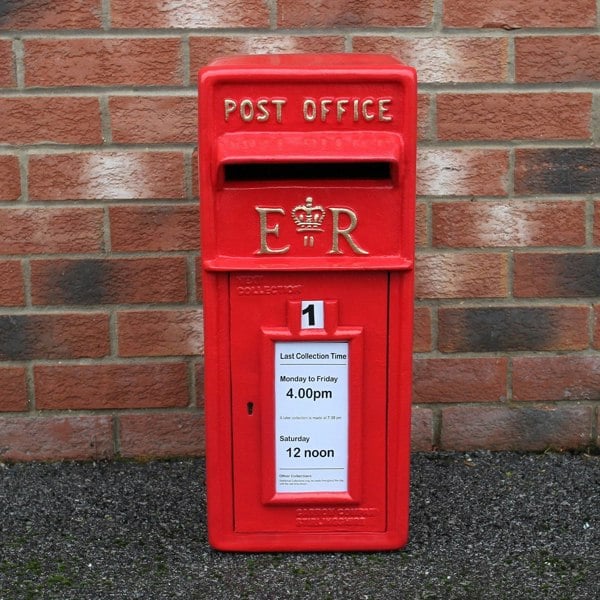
308	217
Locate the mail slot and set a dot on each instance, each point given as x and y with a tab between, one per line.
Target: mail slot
307	187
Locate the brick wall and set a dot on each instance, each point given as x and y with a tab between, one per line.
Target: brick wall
100	320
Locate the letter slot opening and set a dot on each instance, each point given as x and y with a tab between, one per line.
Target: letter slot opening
380	171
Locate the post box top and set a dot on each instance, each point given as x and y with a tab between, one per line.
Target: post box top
309	61
306	92
301	64
307	161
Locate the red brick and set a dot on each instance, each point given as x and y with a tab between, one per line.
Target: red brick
195	184
110	386
422	341
12	291
38	14
160	333
503	428
459	379
424	130
107	176
421	233
103	62
462	172
452	275
597	223
508	224
515	14
206	48
189	14
10	178
557	171
552	378
199	374
153	120
465	59
560	59
56	438
7	66
199	291
108	281
421	430
53	120
513	116
514	328
14	391
161	435
353	13
597	327
154	228
47	231
54	336
564	275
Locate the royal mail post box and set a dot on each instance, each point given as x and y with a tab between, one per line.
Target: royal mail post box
307	186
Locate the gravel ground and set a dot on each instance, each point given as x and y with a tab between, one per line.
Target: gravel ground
483	525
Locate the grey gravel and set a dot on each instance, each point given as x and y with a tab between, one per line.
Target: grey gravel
483	525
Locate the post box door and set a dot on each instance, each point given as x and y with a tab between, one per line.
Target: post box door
309	435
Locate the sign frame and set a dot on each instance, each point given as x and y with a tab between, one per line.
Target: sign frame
293	333
311	416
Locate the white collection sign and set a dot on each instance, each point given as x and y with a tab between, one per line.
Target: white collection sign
311	417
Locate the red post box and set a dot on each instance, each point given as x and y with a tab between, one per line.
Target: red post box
307	184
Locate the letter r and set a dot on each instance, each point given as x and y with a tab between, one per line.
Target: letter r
345	233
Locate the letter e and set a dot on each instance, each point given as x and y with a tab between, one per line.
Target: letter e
266	230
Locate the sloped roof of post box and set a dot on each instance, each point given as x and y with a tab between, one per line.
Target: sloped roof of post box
309	61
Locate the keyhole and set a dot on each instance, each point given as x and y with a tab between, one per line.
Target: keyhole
250	407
